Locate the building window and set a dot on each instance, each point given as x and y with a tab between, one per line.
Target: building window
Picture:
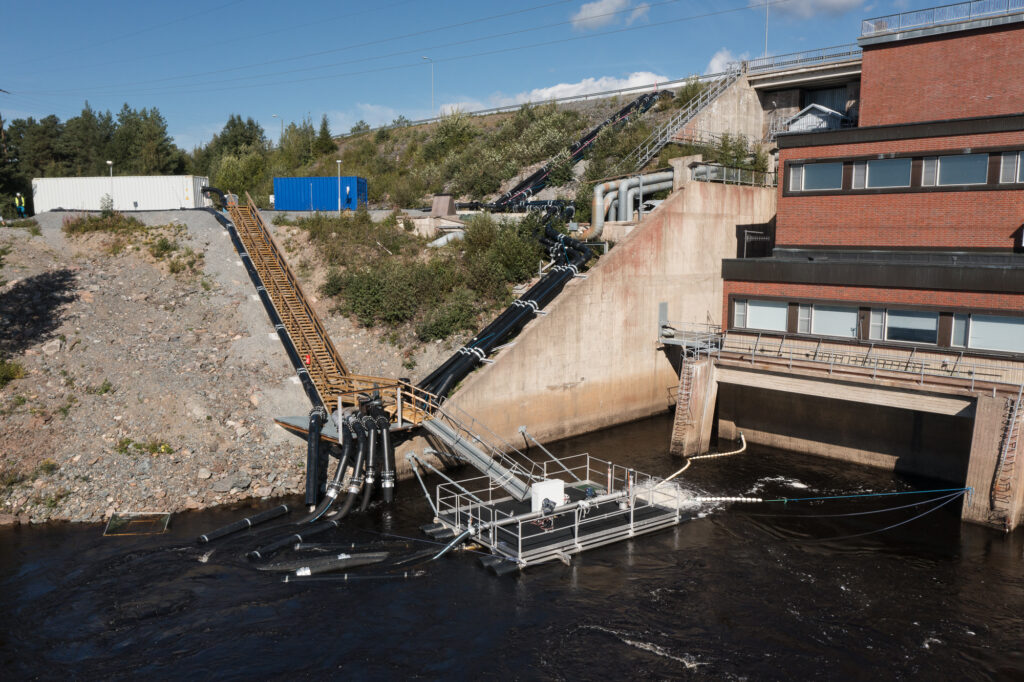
767	315
806	177
960	324
803	319
739	314
997	332
876	329
832	320
929	164
1008	167
889	173
963	169
911	325
860	174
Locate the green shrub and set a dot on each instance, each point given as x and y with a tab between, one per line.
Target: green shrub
9	371
115	222
162	247
457	313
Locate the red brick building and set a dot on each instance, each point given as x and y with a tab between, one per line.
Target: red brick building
906	230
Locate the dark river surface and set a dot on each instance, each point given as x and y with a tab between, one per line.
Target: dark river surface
763	591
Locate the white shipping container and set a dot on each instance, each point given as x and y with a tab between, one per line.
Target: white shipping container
129	192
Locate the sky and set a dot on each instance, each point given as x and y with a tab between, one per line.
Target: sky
200	62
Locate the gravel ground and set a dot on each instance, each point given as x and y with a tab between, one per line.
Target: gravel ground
147	391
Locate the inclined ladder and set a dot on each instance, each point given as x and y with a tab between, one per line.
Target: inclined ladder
491	461
301	324
650	147
999	496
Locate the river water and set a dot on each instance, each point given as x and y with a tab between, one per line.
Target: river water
766	591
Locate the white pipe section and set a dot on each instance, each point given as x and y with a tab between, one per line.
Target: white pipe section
601	201
632	193
446	238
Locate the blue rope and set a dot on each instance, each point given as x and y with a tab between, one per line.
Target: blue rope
895	525
786	500
863	513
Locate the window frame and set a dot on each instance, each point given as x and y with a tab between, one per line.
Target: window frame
938	170
910	173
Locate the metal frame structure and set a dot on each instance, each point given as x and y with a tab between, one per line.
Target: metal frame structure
626	503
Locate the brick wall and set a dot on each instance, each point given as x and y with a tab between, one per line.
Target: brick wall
946	300
954	219
958	75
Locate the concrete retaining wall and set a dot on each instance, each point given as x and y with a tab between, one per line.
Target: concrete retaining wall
592	362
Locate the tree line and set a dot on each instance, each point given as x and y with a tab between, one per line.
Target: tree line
239	158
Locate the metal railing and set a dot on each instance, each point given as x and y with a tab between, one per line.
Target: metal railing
661	136
936	16
824	55
712	172
832	356
472	502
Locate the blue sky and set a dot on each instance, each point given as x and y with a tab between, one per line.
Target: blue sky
199	62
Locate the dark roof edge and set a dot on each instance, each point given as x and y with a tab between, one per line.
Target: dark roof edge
904	131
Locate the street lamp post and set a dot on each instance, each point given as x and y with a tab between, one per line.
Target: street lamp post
281	136
431	84
339	187
110	165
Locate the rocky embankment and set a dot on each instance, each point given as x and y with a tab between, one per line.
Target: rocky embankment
145	389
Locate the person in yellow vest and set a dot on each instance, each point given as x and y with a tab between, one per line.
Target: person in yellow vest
19	203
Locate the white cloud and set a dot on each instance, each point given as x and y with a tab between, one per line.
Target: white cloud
806	9
720	60
640	12
581	87
593	15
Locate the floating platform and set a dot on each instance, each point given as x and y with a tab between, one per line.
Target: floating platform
597	503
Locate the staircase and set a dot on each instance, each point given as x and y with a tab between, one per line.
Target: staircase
650	147
501	467
321	358
1000	495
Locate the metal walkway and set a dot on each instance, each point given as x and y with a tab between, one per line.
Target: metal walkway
650	147
300	321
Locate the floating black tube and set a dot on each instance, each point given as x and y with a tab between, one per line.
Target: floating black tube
306	533
249	522
317	416
325	564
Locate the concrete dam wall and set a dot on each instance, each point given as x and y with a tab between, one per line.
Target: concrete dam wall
592	361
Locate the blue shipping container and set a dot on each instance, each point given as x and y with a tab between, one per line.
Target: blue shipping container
319	194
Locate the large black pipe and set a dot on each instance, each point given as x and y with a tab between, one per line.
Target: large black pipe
317	416
356	481
304	534
574	255
387	476
249	522
335	486
370	424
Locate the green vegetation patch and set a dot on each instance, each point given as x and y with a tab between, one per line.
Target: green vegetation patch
9	371
383	275
117	223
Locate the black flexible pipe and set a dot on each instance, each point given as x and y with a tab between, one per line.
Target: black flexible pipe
335	486
306	533
249	522
370	424
387	477
356	482
317	416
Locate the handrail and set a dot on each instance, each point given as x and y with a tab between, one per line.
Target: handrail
713	172
936	16
659	137
710	341
821	55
